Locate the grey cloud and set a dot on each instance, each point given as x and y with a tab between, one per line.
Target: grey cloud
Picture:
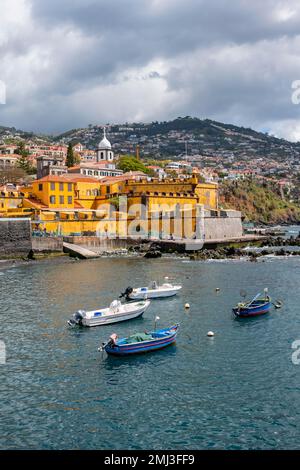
79	61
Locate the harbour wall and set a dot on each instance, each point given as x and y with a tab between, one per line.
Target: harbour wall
100	244
47	244
15	237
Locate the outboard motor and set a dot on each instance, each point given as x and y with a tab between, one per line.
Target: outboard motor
126	293
111	342
77	318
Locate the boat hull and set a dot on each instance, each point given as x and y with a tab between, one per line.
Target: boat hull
252	311
142	347
154	293
116	317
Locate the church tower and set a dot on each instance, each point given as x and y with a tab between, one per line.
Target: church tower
104	150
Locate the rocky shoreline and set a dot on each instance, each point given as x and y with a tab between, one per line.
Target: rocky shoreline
271	246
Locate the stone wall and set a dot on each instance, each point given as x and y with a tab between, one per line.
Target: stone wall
100	245
47	244
15	237
227	225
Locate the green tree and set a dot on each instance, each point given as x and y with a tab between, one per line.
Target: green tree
115	201
23	161
70	161
130	163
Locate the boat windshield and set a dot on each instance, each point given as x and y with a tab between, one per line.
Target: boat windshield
153	285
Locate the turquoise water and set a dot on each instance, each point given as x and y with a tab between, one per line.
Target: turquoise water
238	390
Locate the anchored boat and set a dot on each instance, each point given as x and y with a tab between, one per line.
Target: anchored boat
257	306
116	312
154	291
140	342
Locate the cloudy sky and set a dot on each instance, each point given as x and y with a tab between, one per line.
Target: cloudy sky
69	63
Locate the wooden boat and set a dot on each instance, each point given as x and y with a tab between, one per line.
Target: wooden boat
257	306
140	342
154	291
116	312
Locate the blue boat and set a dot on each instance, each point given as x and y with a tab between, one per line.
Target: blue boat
140	342
257	306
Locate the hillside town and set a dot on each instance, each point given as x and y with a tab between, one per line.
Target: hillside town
82	195
176	148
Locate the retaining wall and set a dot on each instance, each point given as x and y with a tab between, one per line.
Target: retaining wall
100	245
15	237
47	244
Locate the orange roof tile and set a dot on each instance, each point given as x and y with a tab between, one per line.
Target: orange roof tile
68	178
35	203
76	178
54	178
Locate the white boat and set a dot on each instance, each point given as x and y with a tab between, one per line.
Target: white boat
154	291
116	312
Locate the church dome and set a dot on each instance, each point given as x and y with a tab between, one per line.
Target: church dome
105	143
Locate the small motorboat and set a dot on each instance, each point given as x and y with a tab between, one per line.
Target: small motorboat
257	306
140	342
114	313
154	291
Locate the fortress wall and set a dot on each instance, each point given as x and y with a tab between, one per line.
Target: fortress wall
15	237
218	228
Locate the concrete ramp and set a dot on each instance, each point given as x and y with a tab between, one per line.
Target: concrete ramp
79	251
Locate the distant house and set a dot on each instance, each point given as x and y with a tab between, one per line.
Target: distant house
96	169
78	147
8	160
158	170
47	166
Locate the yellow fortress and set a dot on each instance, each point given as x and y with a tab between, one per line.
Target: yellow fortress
73	204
